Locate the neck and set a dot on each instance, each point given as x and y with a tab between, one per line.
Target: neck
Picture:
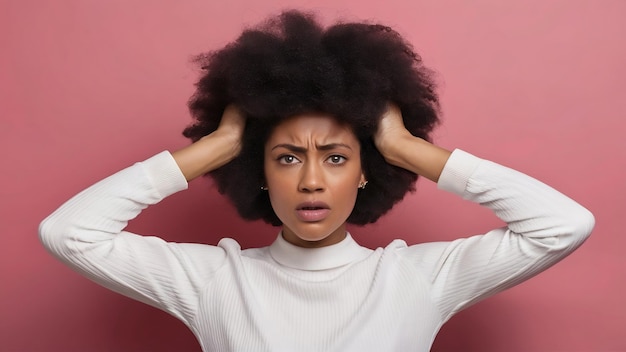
313	259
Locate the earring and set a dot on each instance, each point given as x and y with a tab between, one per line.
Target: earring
263	188
362	184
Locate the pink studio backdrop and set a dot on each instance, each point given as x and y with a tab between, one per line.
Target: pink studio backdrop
89	87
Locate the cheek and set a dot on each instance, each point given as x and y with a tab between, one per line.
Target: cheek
346	190
278	192
349	195
278	180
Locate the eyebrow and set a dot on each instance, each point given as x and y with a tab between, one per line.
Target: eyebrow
298	149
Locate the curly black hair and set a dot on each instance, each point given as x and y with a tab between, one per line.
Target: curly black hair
290	65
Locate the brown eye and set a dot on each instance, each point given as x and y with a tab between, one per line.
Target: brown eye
287	159
337	159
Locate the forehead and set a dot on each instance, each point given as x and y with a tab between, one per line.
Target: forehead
316	128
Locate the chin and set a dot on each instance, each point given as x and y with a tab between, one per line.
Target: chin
313	231
315	239
311	237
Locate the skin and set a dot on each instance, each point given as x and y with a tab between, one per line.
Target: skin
312	176
311	161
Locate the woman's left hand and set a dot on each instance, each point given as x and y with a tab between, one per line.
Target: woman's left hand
390	131
400	148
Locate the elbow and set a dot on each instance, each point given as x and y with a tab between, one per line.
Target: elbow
47	233
584	225
67	236
579	227
53	235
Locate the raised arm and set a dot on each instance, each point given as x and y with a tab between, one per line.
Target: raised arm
87	232
543	225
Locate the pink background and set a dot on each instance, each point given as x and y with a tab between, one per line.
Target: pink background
89	87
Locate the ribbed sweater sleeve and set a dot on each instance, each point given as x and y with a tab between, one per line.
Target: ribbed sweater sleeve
543	226
87	233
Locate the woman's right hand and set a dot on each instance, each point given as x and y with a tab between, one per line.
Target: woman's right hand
231	129
214	149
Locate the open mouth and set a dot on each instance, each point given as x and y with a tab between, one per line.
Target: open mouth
312	212
315	205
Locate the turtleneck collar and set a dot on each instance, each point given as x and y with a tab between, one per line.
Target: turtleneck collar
345	252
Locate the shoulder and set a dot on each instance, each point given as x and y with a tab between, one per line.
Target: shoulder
424	256
423	253
232	249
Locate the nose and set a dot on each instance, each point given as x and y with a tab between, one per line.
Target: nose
311	178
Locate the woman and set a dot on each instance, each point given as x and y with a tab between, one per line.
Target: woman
309	129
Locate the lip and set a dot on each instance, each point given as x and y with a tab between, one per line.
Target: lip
312	211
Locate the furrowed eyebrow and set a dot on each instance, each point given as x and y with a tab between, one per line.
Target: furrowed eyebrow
290	147
332	146
297	149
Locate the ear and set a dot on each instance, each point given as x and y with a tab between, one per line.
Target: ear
362	182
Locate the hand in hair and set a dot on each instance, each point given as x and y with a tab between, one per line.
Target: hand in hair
400	148
291	65
215	149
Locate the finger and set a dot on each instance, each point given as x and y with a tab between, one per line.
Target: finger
232	116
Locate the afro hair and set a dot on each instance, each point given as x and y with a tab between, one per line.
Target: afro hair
291	65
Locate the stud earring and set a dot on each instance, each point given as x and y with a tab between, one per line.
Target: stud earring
362	184
263	188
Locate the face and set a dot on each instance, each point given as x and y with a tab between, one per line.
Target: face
313	171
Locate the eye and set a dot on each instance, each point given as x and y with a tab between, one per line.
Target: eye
287	159
337	159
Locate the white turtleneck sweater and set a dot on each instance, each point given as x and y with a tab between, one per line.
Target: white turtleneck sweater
342	297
